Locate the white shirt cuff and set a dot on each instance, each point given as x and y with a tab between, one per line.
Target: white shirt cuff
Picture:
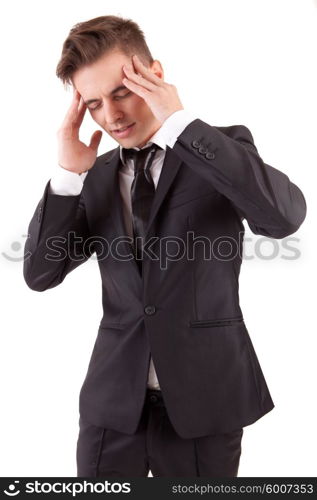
173	127
67	183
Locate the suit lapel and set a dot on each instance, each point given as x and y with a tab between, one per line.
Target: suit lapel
170	168
116	205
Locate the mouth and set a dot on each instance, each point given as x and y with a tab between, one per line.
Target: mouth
124	131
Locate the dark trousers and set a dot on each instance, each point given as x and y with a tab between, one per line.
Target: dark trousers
155	447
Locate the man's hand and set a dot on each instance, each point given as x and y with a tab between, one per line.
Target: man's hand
161	97
73	154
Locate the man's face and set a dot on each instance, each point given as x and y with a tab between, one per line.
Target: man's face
111	104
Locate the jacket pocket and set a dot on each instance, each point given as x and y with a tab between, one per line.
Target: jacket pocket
207	323
187	196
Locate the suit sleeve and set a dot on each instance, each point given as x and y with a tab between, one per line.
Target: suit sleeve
227	158
57	240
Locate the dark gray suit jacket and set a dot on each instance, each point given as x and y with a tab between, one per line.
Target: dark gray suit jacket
185	309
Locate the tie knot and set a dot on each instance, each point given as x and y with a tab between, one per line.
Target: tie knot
142	159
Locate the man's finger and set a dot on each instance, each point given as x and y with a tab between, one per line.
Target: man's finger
95	139
73	111
146	72
140	80
80	113
137	89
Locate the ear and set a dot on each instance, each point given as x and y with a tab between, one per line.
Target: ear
157	69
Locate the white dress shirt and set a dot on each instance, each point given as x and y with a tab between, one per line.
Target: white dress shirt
68	183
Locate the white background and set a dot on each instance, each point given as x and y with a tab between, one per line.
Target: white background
250	62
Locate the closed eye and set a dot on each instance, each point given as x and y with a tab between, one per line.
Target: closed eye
118	97
122	96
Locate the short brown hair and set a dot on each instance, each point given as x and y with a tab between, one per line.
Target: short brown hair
89	40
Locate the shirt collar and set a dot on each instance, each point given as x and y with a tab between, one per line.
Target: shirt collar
156	139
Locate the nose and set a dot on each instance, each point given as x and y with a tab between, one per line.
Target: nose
112	114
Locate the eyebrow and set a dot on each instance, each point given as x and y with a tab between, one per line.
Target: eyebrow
114	91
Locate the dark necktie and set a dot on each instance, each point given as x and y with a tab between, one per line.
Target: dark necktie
142	194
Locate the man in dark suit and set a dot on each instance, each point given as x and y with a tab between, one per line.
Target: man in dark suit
173	377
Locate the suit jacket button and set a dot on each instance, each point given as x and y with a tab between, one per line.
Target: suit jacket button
210	156
196	144
149	310
202	150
